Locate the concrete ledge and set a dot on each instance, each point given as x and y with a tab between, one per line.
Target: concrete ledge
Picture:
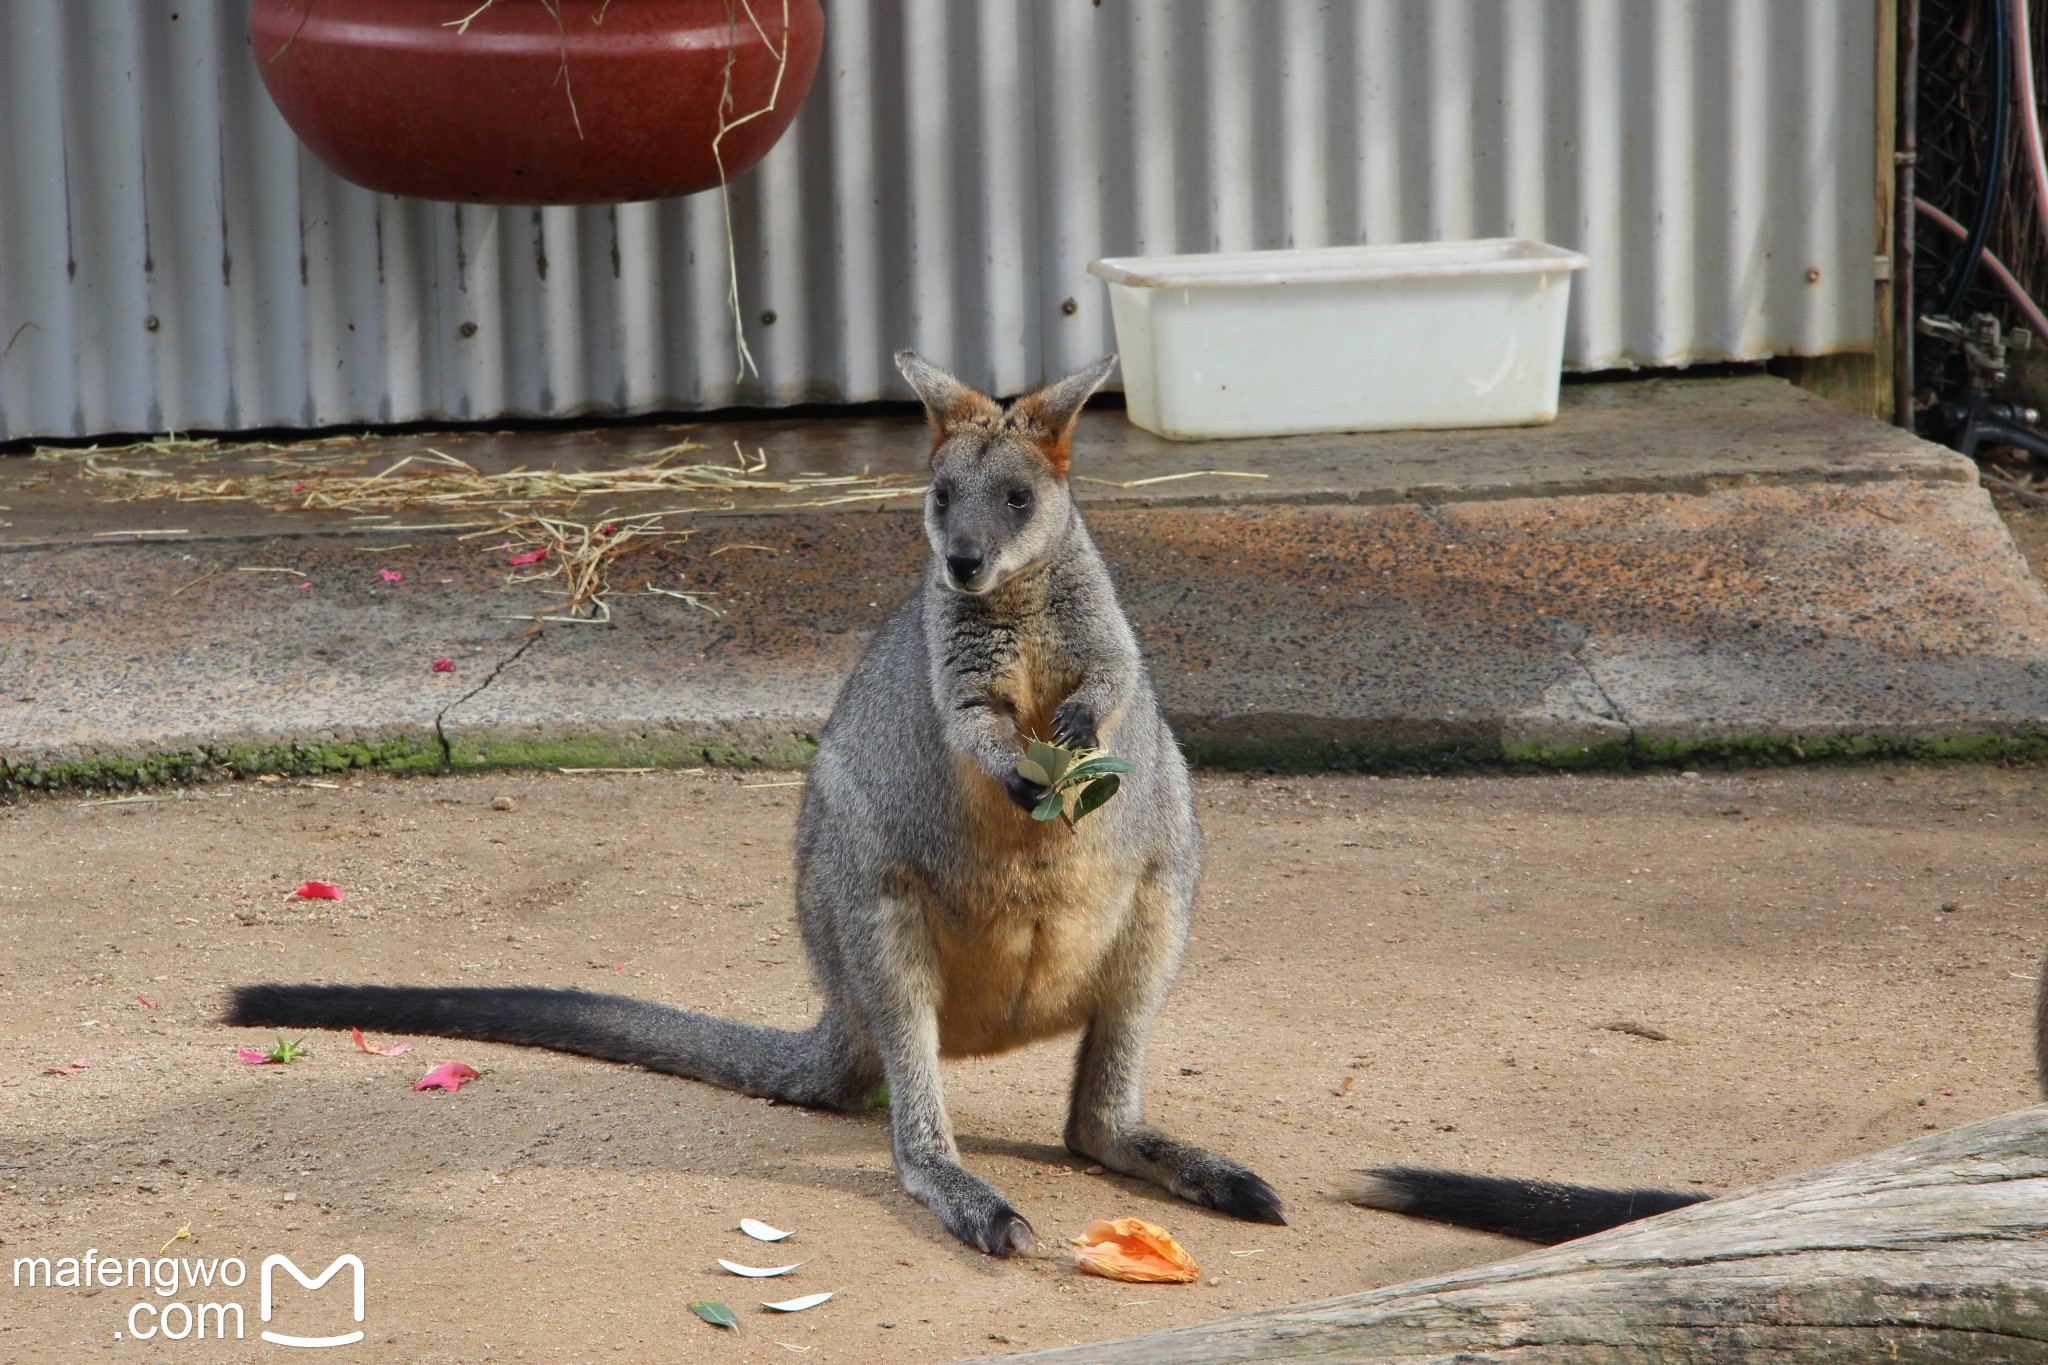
1760	620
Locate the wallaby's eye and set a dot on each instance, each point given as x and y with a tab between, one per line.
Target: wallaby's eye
939	498
1020	498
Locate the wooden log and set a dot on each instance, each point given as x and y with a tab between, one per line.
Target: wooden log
1935	1250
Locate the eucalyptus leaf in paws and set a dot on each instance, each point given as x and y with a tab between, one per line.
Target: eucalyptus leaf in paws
1077	781
1094	766
1050	759
1095	793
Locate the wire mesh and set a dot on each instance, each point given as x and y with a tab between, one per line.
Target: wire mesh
1954	98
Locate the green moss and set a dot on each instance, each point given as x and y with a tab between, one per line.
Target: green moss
1981	746
1442	754
121	773
1298	755
405	754
1571	758
602	750
1466	755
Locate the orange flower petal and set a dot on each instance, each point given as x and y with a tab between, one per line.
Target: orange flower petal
1133	1250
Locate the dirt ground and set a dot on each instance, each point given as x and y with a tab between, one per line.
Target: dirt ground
2029	527
1383	970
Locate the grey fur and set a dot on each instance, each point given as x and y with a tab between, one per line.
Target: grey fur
939	917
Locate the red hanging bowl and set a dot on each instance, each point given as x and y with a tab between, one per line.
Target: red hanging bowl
392	95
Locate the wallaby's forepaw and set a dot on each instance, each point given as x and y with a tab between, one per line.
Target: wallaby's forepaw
1073	726
1021	790
1005	1234
989	1225
972	1209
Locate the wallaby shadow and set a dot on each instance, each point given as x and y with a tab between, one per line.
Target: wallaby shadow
357	1141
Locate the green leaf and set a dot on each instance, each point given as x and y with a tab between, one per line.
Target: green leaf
1095	793
1102	765
880	1099
715	1313
1033	772
1050	807
1050	757
287	1053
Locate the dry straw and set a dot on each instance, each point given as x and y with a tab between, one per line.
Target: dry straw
528	509
335	475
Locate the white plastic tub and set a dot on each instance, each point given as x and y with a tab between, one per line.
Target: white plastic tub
1354	338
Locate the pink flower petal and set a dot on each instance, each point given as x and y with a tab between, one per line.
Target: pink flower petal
145	1002
304	586
251	1057
444	665
395	1050
319	891
391	576
447	1076
530	557
70	1068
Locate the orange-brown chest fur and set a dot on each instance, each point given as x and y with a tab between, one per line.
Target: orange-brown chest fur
1035	908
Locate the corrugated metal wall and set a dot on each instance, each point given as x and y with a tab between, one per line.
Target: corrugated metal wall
171	258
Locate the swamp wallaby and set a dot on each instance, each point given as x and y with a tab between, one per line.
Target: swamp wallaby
940	918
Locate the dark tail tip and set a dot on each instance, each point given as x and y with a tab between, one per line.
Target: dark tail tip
1534	1210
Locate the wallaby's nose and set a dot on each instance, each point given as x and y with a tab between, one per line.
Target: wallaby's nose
964	564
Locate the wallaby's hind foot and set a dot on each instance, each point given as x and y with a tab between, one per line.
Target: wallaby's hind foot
1194	1173
1229	1188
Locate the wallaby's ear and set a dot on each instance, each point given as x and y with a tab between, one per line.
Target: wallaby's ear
947	401
1051	412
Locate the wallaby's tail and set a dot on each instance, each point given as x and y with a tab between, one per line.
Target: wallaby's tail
821	1065
1536	1210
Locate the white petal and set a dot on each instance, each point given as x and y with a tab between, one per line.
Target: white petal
760	1231
797	1305
759	1272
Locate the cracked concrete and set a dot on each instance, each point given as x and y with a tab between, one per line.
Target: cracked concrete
441	716
1709	570
1573	714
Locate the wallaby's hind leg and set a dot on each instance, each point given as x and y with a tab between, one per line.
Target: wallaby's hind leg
1107	1120
838	1068
899	997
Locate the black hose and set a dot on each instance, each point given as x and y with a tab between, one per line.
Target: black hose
1994	165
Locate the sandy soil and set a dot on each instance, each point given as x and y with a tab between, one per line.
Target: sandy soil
1383	970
